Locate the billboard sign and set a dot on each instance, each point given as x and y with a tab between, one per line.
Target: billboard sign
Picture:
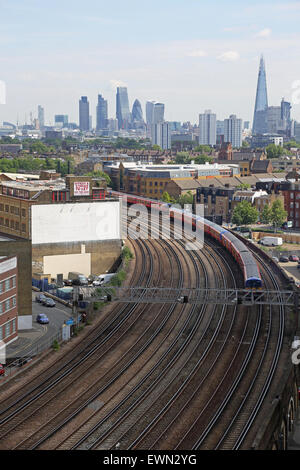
81	188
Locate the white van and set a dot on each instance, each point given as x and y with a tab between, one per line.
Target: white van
103	279
271	241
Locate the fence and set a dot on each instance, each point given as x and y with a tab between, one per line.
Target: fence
28	356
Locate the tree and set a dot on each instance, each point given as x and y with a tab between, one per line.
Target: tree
278	214
245	144
100	174
244	186
185	199
166	197
244	214
201	159
274	151
182	158
266	214
203	149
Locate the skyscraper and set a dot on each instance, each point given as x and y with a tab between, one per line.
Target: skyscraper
233	131
207	128
261	101
161	135
61	120
149	112
122	108
41	116
137	113
158	113
84	114
101	113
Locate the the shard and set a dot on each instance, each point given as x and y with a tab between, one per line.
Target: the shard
261	102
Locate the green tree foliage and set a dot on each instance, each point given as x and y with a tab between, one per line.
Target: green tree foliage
203	149
182	158
166	197
266	214
244	186
274	151
201	159
244	214
278	214
185	199
100	174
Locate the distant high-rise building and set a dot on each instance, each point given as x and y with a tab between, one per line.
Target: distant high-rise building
90	122
286	115
149	112
41	116
161	135
137	113
273	119
261	101
233	131
158	113
61	120
84	114
207	128
101	113
122	108
246	124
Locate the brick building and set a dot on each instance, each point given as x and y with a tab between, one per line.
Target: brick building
8	299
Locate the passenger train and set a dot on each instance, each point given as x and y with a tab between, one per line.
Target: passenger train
242	255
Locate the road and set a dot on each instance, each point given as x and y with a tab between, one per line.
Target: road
28	340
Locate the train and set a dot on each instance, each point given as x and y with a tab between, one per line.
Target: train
239	251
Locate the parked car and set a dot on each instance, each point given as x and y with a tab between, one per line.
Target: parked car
40	298
294	258
49	302
283	259
2	370
42	318
274	258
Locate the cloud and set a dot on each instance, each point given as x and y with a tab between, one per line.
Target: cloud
264	33
229	56
197	53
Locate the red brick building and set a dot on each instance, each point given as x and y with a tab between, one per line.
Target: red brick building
8	299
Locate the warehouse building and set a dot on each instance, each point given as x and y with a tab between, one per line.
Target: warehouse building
68	223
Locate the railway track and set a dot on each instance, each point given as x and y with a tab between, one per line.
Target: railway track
163	376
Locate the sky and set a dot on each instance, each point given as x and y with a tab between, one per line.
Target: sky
192	55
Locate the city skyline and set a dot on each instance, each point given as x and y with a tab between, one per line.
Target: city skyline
187	68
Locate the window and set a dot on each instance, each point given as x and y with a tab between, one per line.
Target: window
292	195
12	209
23	228
7	222
291	204
17	226
7	329
7	284
23	213
14	281
1	307
6	208
1	333
14	301
7	305
1	207
1	287
14	325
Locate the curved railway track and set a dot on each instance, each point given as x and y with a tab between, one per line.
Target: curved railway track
160	376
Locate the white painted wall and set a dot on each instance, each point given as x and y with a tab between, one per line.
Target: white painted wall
58	223
63	264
